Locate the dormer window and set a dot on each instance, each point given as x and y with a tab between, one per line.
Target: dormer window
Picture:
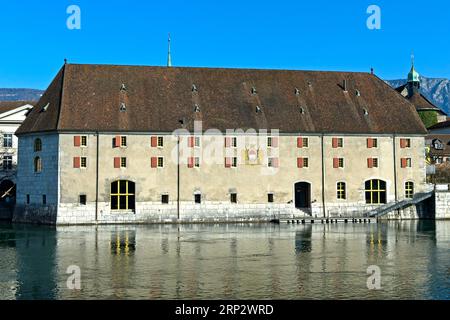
196	108
194	88
45	108
254	91
297	92
258	109
123	107
438	145
123	87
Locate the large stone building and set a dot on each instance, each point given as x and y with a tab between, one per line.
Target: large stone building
121	144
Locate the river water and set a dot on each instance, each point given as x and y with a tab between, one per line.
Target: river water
226	261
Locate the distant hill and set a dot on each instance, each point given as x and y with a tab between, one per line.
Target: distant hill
20	94
436	90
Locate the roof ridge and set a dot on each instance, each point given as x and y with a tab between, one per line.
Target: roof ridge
217	68
61	97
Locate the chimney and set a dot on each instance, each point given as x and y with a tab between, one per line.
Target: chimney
371	71
345	86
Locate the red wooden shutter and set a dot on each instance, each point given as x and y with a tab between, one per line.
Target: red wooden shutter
154	162
77	162
369	143
370	163
300	162
191	142
404	162
300	142
336	163
116	162
276	162
403	143
117	142
77	141
190	162
228	162
275	142
154	142
335	143
227	142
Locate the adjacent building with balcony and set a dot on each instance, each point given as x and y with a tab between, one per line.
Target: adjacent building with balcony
12	114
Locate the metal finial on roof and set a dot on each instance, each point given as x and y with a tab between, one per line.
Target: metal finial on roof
169	57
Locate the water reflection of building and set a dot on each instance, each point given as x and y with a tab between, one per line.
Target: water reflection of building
36	263
233	261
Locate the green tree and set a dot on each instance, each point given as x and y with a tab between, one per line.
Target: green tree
429	118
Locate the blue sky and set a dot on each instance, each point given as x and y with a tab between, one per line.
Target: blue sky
312	35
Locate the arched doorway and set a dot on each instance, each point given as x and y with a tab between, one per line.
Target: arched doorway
375	191
123	195
302	192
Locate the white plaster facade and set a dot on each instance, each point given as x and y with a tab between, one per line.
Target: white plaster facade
62	184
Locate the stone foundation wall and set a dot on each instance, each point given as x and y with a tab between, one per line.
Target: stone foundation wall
208	212
35	214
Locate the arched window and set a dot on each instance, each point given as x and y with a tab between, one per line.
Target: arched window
376	192
123	195
409	189
37	164
341	191
37	145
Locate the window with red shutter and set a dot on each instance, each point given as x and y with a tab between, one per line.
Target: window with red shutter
369	143
228	162
370	163
117	142
404	162
300	142
190	162
273	162
154	142
116	162
77	162
154	162
300	162
275	142
77	141
227	142
336	163
335	143
191	142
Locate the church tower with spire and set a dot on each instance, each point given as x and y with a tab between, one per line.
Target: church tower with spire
413	84
428	112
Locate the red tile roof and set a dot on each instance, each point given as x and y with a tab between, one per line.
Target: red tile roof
88	98
440	125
